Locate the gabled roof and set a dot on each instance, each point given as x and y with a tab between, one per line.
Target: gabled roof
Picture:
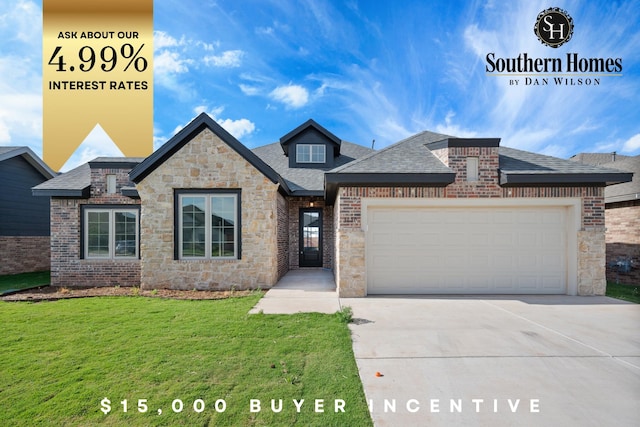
38	164
519	167
76	183
197	125
306	181
408	162
285	140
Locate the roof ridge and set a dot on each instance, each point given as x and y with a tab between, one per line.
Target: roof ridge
387	148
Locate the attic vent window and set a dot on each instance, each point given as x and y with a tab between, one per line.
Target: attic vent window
111	184
311	153
472	169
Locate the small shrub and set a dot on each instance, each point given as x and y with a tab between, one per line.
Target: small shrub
345	314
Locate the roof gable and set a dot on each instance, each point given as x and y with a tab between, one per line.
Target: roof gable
305	127
179	140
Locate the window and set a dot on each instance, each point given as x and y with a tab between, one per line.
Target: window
111	184
472	169
208	225
311	153
111	233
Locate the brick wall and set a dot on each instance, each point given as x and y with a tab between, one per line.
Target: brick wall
283	236
68	268
24	254
295	204
622	221
350	237
350	197
487	184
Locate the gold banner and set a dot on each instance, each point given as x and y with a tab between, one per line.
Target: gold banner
97	68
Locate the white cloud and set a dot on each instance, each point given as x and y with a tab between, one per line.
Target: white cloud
162	40
229	59
267	31
237	128
167	62
293	96
632	144
449	128
249	90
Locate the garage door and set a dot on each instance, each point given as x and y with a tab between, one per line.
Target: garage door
466	250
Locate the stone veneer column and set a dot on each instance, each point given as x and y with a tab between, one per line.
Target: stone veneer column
351	273
591	261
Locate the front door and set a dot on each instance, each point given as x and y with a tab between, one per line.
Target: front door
310	237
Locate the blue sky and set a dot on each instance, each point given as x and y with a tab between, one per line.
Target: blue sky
365	70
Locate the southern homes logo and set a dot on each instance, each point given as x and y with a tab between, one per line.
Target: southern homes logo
553	27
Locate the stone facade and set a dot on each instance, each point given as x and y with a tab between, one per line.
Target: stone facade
591	265
69	268
206	162
24	254
622	221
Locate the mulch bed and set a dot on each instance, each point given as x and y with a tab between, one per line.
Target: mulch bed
52	293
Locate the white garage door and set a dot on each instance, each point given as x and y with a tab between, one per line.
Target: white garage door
466	250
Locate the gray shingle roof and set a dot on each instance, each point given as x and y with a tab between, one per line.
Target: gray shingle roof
306	179
77	181
407	156
524	167
628	190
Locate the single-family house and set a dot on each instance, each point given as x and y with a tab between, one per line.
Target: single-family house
24	219
429	214
622	216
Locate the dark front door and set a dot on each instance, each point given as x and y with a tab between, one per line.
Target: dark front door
310	237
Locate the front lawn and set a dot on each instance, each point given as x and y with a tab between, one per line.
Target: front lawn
14	282
624	292
184	362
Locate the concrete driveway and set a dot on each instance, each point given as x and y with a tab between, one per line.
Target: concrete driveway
512	361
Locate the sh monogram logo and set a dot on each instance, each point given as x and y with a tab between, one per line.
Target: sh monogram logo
554	27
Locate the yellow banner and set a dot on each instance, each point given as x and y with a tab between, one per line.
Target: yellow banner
97	68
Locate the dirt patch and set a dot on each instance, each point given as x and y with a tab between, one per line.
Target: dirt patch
52	293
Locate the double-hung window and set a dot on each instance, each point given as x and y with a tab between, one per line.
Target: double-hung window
311	153
110	233
209	225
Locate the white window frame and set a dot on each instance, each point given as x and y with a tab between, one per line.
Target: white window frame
473	174
112	233
303	156
207	226
111	184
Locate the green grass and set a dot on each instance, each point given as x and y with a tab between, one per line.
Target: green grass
61	359
24	281
624	292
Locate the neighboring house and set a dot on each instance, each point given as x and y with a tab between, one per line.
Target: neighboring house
429	214
622	217
24	219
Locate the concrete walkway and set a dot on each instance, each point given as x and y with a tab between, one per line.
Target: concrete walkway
304	290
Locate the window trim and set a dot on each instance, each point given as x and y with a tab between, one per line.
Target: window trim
177	221
310	158
84	231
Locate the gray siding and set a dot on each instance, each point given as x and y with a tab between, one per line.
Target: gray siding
21	214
